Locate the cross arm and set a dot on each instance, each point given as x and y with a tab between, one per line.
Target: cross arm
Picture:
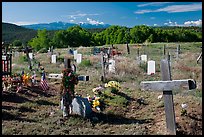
59	76
187	84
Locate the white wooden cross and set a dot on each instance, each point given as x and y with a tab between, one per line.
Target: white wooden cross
167	85
59	76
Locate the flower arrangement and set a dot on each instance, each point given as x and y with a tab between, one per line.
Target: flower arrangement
95	102
114	85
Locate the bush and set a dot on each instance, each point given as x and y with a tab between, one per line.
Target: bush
23	59
60	59
85	63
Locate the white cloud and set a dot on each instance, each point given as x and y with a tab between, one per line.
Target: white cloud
143	11
193	23
170	23
79	15
94	22
155	24
153	4
71	20
181	8
174	8
187	23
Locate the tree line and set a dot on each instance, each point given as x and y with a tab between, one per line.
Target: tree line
76	36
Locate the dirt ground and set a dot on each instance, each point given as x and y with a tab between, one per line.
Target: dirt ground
34	111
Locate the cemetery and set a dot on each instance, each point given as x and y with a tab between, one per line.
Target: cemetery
122	89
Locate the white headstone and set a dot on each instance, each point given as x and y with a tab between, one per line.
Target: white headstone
16	54
151	67
75	54
30	55
112	66
79	57
144	58
54	59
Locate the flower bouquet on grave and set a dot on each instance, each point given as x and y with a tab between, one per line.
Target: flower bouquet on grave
114	85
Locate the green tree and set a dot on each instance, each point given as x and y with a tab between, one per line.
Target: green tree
17	43
40	41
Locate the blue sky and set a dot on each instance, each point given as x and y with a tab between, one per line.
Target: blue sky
127	14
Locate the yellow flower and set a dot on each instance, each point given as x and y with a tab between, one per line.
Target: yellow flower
96	103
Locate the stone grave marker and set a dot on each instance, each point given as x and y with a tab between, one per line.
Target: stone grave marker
75	54
30	55
81	107
144	58
111	66
79	58
16	54
150	67
54	59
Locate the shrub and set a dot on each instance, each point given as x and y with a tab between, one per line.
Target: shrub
23	59
85	63
43	50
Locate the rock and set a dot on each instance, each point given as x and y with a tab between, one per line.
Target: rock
81	106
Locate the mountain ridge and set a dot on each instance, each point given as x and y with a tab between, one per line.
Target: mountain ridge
63	25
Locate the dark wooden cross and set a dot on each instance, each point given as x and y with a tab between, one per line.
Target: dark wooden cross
167	85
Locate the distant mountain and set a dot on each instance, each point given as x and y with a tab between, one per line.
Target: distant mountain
11	32
63	26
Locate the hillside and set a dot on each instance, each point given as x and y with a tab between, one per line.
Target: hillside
11	32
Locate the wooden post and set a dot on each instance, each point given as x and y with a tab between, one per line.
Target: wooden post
178	51
138	52
169	59
128	49
164	50
52	50
67	63
29	60
168	99
103	67
199	57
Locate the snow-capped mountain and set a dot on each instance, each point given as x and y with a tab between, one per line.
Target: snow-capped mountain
63	25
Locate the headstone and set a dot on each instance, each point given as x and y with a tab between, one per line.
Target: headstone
144	58
151	67
79	58
112	66
75	54
30	55
54	59
16	54
81	107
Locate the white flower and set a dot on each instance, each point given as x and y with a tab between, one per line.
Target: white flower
160	96
184	106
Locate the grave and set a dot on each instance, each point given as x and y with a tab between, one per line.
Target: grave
144	58
16	54
81	107
79	58
75	54
30	55
111	66
167	85
54	59
150	67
